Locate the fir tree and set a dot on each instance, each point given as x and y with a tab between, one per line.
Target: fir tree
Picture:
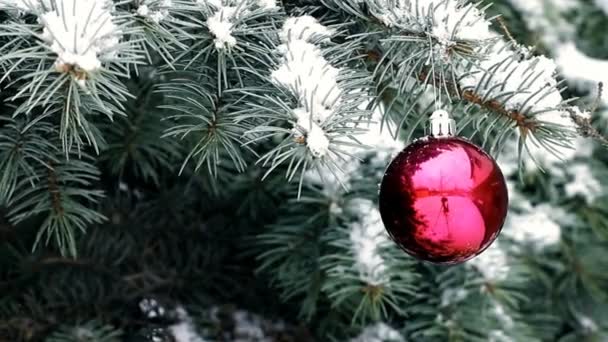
207	170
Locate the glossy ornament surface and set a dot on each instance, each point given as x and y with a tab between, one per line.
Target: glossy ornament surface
443	200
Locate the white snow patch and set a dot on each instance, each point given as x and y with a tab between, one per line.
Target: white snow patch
581	70
499	336
379	332
81	32
315	137
220	25
381	145
316	115
249	326
307	74
317	141
225	13
537	225
587	323
305	28
304	70
154	10
13	4
367	236
25	6
452	296
184	330
533	79
151	308
544	16
216	4
267	4
505	319
533	88
492	263
451	20
583	183
143	10
603	5
380	140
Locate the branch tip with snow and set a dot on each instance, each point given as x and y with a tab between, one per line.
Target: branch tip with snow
81	37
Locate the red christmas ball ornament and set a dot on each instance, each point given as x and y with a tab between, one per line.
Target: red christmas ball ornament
443	199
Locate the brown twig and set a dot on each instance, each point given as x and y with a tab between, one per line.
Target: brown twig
583	123
585	128
524	123
598	97
54	189
503	27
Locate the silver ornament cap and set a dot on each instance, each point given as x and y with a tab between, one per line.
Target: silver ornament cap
442	124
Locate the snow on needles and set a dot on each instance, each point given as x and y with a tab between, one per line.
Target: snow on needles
14	4
155	11
525	85
81	32
584	183
25	6
310	77
184	331
603	5
221	23
450	20
304	28
379	332
492	263
532	80
588	71
537	225
367	236
246	326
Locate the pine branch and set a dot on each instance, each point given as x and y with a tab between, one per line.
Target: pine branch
524	123
135	144
22	148
58	192
208	122
420	41
585	128
51	77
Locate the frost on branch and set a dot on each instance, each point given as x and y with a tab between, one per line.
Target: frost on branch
446	20
310	77
305	28
523	90
184	330
82	33
379	332
367	236
538	225
492	263
528	85
221	24
584	183
154	10
25	6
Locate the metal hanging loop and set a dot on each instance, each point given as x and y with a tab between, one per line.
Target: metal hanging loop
442	124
